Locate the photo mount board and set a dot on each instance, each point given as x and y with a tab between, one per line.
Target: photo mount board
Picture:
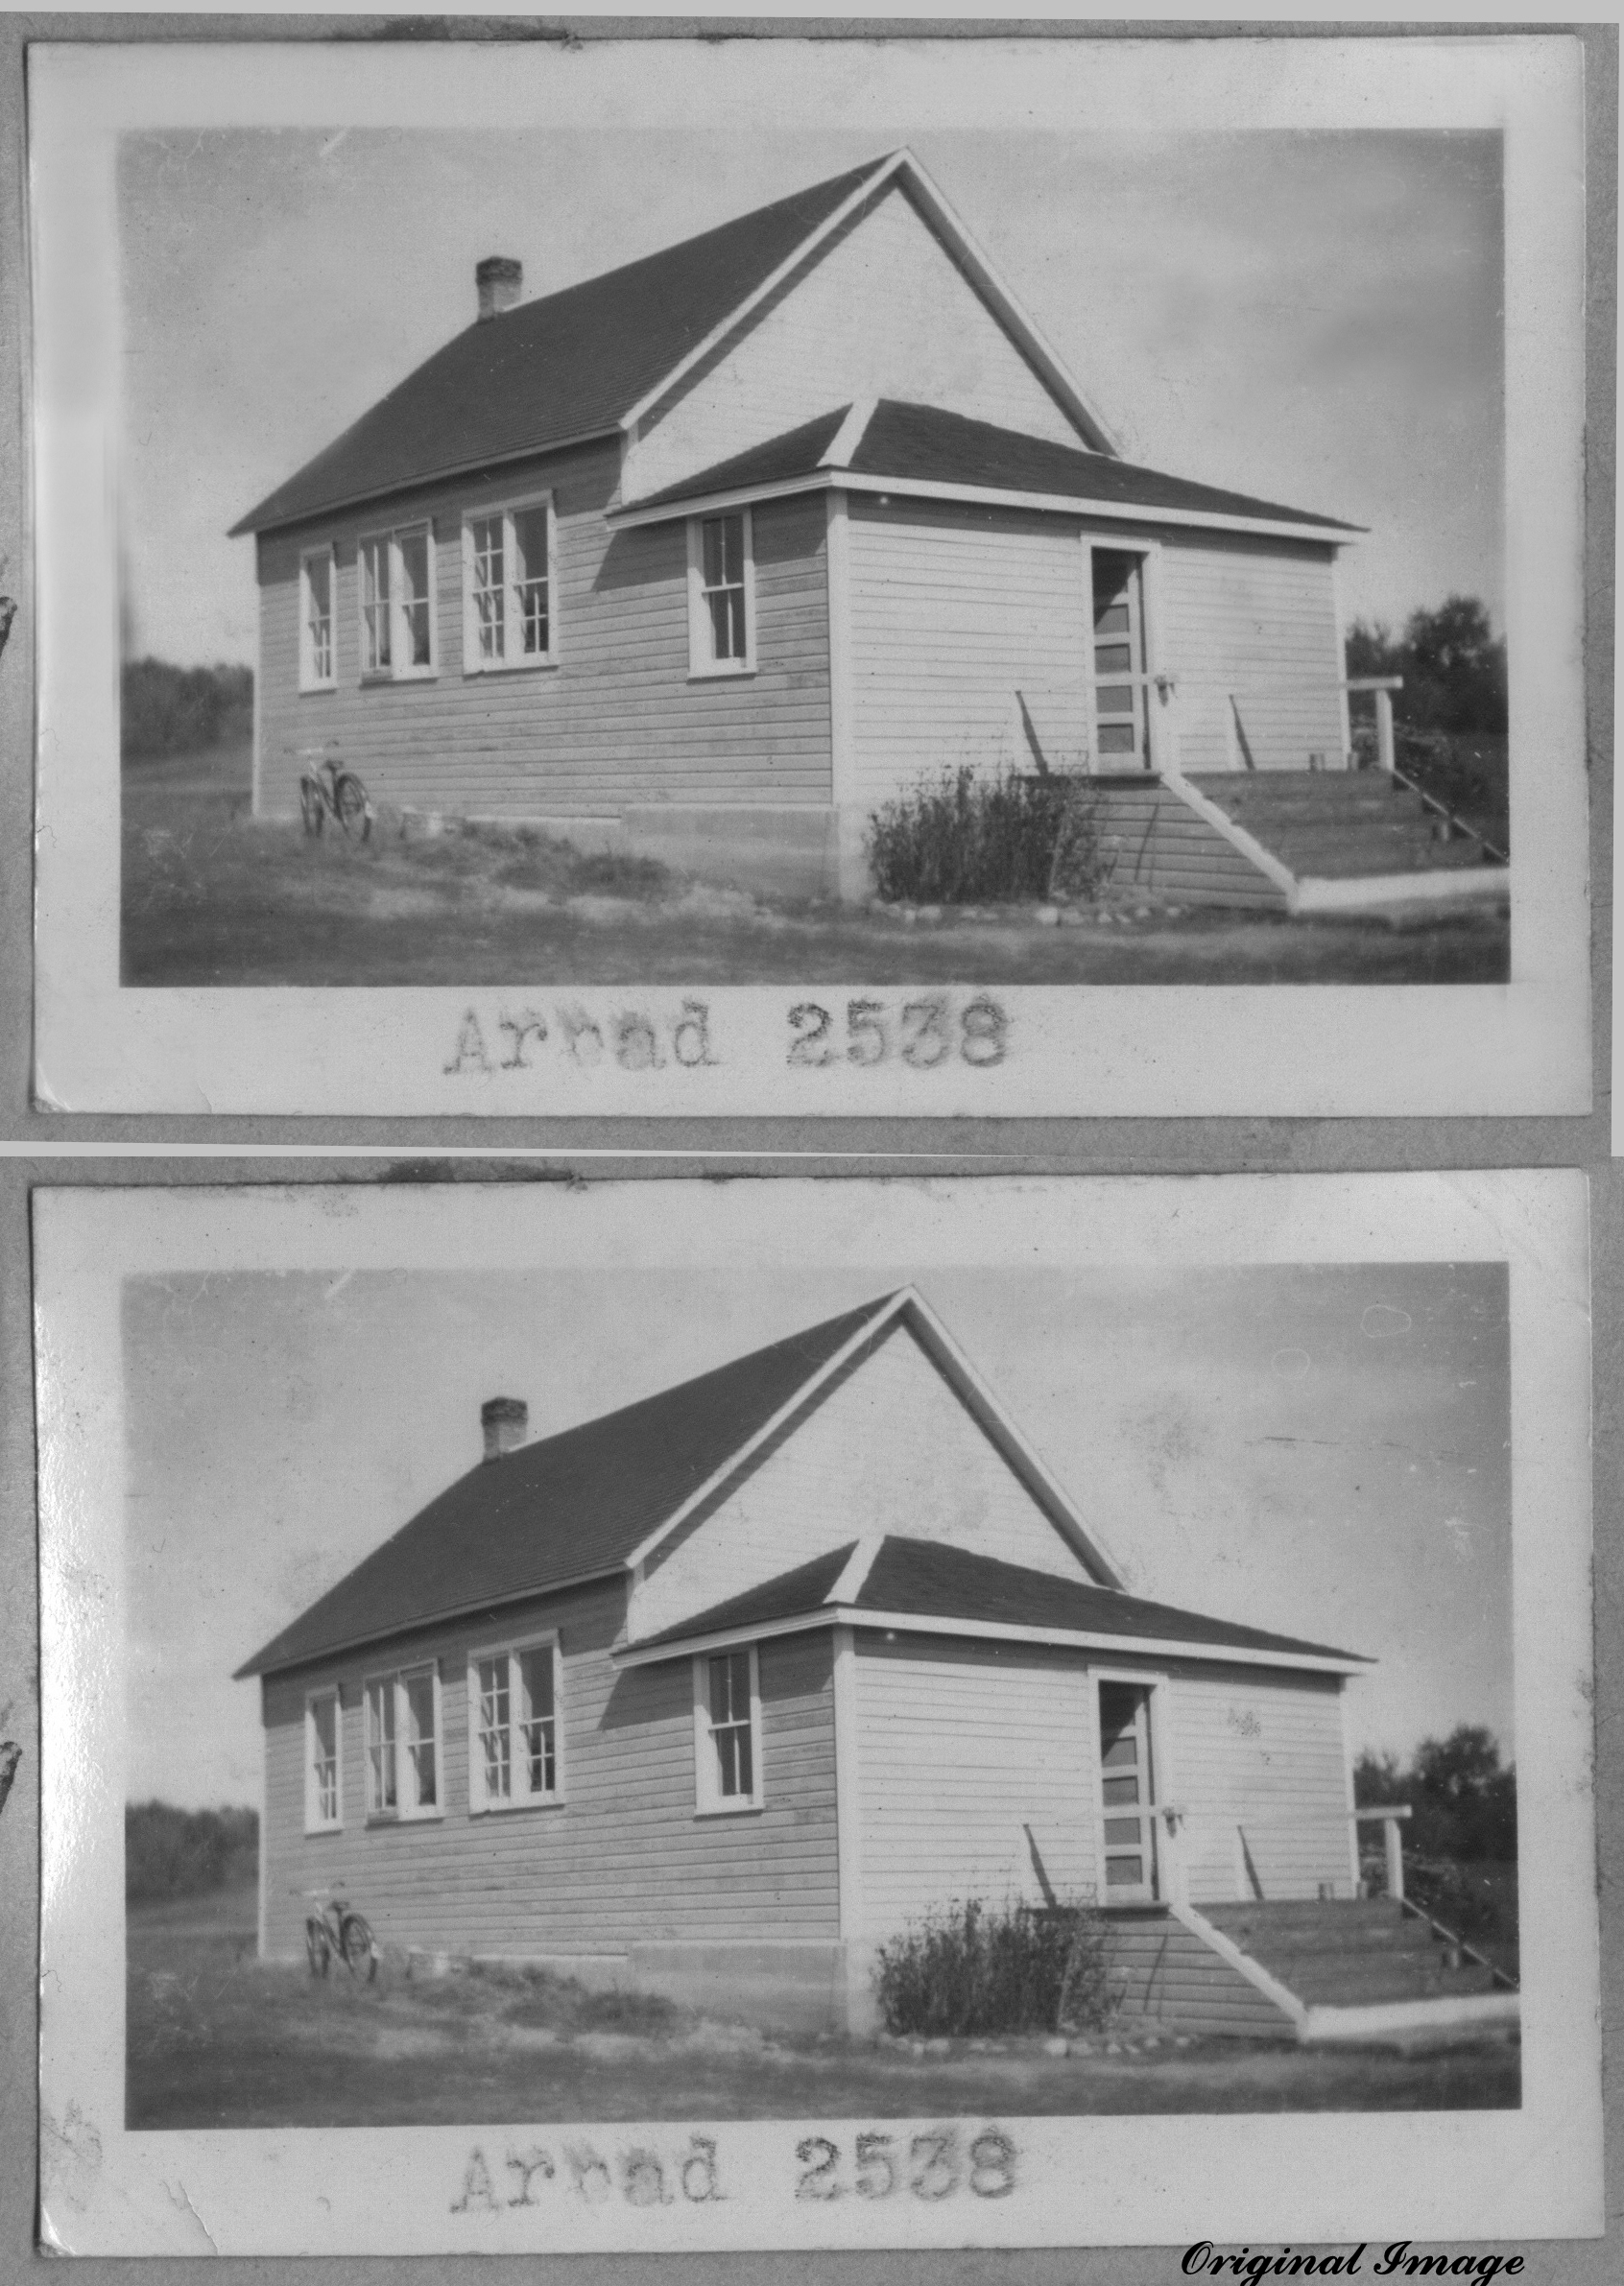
734	1049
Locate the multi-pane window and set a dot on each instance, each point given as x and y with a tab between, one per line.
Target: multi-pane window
321	1761
721	595
397	583
316	620
727	1730
374	606
403	1744
507	570
417	601
514	1693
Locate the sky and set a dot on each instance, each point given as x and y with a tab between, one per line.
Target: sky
1314	317
1320	1451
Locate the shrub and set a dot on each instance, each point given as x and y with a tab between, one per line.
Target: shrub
177	710
184	1853
968	1969
963	837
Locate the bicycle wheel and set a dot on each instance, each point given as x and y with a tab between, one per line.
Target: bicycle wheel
317	1946
313	809
349	797
356	1940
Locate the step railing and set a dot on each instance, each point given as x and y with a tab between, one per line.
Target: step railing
1389	1816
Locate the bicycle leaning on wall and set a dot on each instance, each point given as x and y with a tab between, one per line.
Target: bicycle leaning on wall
337	1930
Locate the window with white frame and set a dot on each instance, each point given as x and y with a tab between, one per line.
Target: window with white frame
396	588
323	1808
514	1693
727	1731
721	595
316	584
403	1744
508	587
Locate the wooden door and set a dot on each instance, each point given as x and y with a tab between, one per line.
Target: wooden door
1120	724
1126	1795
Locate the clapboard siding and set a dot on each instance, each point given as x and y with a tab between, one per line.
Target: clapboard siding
1152	841
1257	617
961	1746
1259	1753
880	311
623	1860
1161	1972
954	613
889	1447
962	617
616	723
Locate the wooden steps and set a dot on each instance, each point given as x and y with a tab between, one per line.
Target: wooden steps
1349	1954
1340	825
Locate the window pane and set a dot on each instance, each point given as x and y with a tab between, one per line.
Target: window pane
489	586
1116	698
374	606
494	1728
730	1687
530	578
325	1714
1113	658
714	574
1123	1871
1111	619
420	1738
537	1717
746	1784
1123	1829
415	611
380	1746
1119	738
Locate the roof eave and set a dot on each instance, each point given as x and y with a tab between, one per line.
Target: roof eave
255	522
259	1664
632	516
1122	1647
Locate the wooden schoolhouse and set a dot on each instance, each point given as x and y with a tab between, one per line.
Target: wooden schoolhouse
717	1692
713	554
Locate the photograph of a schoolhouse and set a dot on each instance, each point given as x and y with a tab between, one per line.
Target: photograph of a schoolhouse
786	584
793	1728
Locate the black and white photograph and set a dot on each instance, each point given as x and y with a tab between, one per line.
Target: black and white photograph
831	1754
611	607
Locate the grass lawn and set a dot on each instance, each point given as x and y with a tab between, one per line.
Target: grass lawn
217	2038
212	898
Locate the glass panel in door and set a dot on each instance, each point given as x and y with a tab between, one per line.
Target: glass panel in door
1119	660
1125	1795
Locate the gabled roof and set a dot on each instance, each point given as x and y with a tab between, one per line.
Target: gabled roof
906	444
924	1580
571	1506
567	366
600	356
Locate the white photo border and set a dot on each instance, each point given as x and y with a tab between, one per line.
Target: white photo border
1075	1051
1532	2173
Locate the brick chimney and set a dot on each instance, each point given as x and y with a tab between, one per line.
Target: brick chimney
504	1422
500	280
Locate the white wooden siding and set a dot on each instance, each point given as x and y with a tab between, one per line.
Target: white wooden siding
1257	617
615	723
883	311
623	1859
1263	1754
961	1746
888	1448
956	615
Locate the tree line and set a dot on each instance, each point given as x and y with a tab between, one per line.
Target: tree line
179	710
186	1853
1463	1801
1453	665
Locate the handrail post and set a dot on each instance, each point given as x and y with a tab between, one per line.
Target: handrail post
1389	1825
1385	756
